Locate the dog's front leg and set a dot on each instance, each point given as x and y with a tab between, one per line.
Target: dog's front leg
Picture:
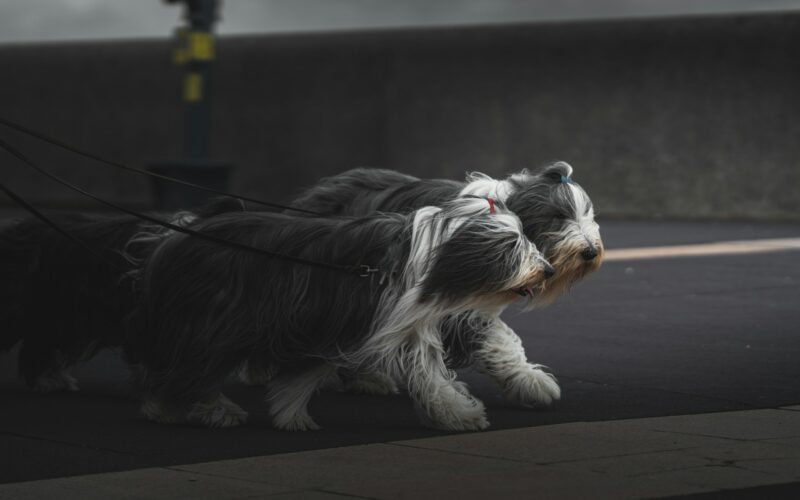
443	402
499	353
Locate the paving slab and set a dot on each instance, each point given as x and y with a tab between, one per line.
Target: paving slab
410	472
564	443
734	451
719	477
151	483
789	442
741	425
636	464
629	458
782	491
785	467
309	495
354	469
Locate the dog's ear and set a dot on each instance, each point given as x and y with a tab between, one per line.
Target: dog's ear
557	172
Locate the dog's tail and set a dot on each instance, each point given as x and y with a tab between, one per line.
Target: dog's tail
350	193
19	260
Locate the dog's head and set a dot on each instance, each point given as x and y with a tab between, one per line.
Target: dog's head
480	258
558	216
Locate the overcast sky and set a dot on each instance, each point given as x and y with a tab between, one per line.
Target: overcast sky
38	20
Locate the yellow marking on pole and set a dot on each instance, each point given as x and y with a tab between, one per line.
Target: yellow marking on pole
200	46
192	87
703	250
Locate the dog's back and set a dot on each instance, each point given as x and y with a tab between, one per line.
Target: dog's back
261	306
365	190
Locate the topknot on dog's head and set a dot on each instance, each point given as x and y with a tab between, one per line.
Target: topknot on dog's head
558	172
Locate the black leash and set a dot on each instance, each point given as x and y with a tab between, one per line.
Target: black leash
73	149
360	270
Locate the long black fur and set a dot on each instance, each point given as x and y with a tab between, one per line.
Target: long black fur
61	301
206	308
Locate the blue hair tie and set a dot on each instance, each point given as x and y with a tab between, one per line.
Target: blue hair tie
565	180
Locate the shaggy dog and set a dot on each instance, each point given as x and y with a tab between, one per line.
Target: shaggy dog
61	301
556	214
206	308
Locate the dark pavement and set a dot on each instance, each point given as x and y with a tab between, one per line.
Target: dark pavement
637	339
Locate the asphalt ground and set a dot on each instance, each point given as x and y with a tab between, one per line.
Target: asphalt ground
637	339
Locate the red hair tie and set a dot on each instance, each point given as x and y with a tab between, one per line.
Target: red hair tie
491	205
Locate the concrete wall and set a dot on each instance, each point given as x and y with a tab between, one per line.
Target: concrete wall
679	118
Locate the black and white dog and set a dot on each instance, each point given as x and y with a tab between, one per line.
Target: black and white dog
207	308
556	214
63	303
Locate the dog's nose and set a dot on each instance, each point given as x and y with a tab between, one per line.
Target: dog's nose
549	271
589	253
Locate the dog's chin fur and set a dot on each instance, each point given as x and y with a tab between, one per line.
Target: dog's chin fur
572	268
206	309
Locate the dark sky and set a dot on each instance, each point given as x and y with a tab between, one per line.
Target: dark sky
36	20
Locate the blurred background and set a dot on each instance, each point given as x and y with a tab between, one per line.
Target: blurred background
680	117
667	109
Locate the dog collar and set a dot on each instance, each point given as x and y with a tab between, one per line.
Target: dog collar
491	205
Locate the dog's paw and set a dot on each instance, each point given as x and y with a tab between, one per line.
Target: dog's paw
455	409
219	413
55	380
475	423
376	384
531	386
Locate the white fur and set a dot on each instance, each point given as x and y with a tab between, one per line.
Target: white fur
218	411
215	411
289	397
502	356
407	343
482	185
55	380
584	215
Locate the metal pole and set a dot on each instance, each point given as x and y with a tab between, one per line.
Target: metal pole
195	54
